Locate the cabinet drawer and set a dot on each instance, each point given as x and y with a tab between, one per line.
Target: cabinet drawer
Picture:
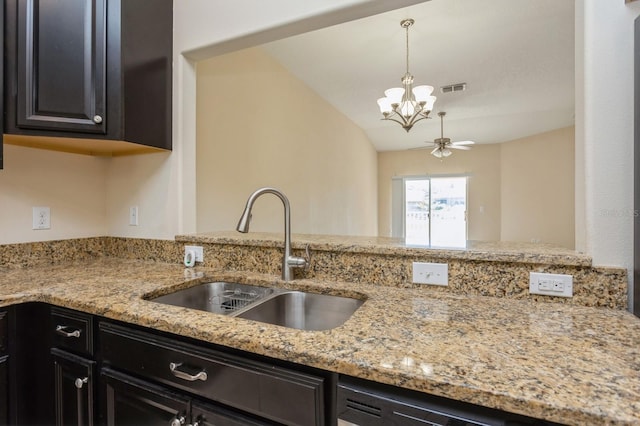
3	331
131	401
273	392
72	331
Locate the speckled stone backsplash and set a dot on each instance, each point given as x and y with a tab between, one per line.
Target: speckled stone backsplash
26	255
488	269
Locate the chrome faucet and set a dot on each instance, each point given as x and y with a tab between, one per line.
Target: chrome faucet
288	262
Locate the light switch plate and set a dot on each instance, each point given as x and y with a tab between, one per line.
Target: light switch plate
431	273
560	285
133	216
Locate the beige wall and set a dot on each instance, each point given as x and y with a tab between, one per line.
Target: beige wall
481	164
143	181
538	188
257	125
72	185
521	190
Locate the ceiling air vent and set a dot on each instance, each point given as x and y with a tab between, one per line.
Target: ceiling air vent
458	87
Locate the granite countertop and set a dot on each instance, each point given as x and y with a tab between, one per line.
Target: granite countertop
569	364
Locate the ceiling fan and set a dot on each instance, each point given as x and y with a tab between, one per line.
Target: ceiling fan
442	146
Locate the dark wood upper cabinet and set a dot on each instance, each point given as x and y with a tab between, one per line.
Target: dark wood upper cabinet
90	69
61	59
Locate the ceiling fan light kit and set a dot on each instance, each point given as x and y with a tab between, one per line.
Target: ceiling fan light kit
441	152
407	105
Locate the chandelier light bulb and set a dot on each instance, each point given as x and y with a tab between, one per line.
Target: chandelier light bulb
408	108
385	106
394	95
422	93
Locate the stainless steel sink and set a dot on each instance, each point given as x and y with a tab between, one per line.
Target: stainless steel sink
294	309
304	311
220	297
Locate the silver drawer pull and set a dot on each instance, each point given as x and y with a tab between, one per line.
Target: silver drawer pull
173	366
62	330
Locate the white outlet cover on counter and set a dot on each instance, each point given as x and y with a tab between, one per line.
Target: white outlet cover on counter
431	273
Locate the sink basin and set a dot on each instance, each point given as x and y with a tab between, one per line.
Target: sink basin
219	297
293	309
304	311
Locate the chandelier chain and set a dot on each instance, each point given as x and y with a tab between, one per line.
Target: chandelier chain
407	43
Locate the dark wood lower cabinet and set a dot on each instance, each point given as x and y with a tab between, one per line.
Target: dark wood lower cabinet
4	362
4	390
69	368
258	389
31	387
74	389
131	402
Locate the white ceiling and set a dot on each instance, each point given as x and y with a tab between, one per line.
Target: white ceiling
516	56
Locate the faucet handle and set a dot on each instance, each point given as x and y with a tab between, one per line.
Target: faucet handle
307	258
300	262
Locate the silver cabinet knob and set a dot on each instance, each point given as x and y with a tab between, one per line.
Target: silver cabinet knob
178	420
97	119
80	382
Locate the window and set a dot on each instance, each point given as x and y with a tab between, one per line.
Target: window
430	211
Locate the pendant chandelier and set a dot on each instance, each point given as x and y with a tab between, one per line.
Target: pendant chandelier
407	105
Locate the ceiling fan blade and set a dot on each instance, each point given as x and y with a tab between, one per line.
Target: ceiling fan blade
421	147
466	148
463	143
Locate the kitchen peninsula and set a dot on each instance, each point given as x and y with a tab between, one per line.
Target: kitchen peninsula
560	362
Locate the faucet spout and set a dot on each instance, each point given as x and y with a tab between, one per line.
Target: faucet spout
288	262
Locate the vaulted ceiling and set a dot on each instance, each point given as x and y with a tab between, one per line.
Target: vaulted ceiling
515	56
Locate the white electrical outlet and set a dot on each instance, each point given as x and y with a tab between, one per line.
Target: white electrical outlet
197	250
133	216
41	218
560	285
431	273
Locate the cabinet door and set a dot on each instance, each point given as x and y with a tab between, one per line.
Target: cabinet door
31	381
132	402
4	332
74	389
61	65
4	391
4	370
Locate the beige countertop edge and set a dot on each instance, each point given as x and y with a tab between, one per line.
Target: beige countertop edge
474	349
478	251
